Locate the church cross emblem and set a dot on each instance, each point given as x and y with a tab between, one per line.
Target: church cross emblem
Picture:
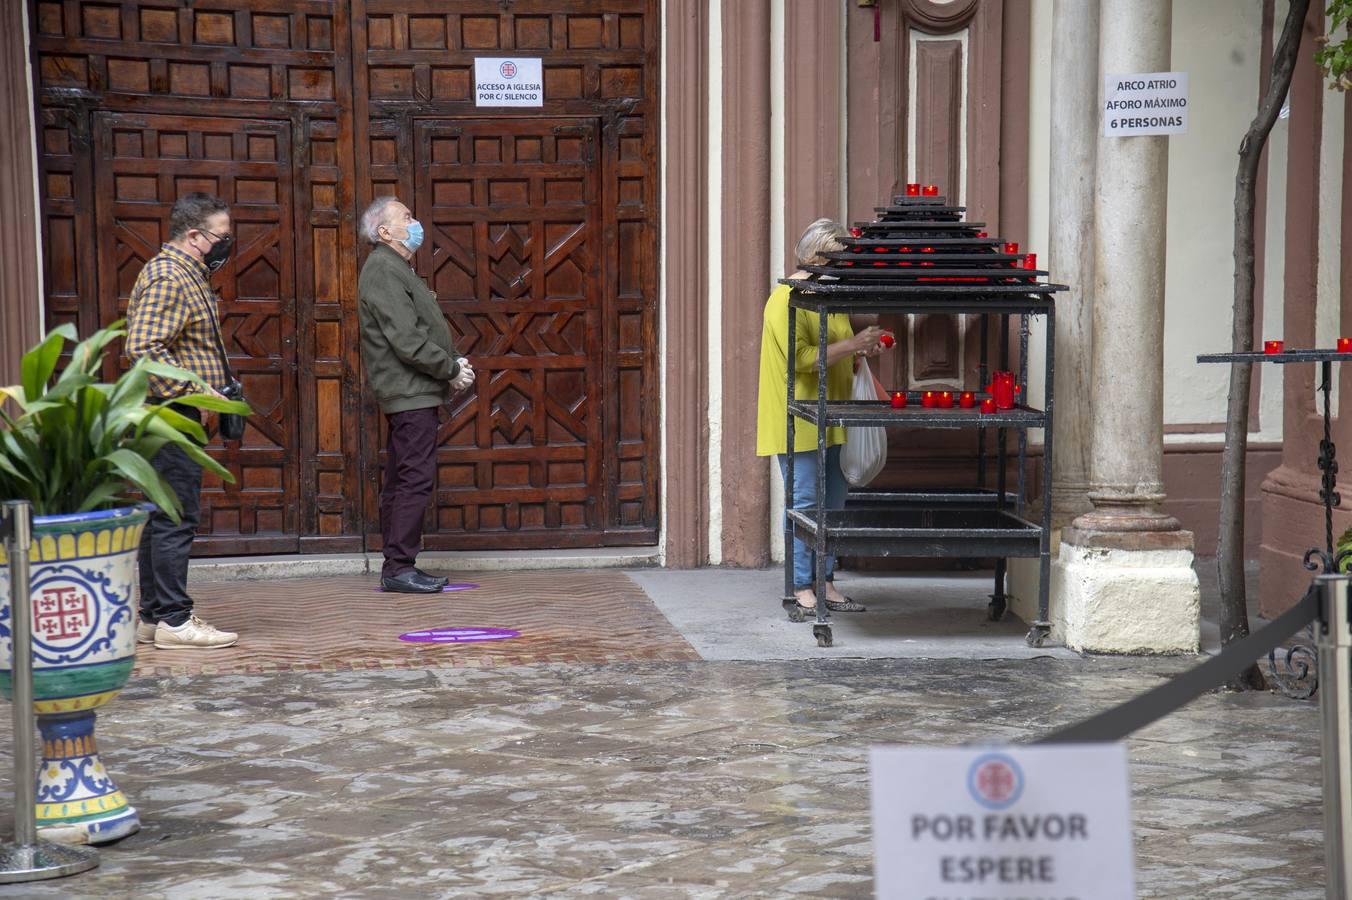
61	614
995	781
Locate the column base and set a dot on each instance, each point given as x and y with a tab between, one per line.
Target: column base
1126	592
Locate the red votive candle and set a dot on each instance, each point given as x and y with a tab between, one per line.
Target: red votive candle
967	400
1030	261
982	234
946	400
887	340
912	190
931	190
898	400
1002	390
929	401
1345	345
987	405
856	232
1011	248
1272	346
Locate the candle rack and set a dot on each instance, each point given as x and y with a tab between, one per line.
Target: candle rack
1300	678
919	257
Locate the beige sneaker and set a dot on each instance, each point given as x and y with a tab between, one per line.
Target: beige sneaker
193	634
145	631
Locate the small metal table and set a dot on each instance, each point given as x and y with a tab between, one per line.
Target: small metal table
1300	679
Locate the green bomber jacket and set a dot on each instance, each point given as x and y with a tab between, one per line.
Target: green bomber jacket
406	345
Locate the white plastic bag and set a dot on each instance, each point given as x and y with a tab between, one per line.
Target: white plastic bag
865	450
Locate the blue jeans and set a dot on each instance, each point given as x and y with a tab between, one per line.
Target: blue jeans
803	495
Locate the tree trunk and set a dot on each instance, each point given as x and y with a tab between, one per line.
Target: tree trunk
1234	617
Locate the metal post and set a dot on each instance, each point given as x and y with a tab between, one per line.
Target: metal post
27	859
1335	685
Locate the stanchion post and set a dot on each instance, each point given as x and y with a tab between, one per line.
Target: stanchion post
1335	693
27	859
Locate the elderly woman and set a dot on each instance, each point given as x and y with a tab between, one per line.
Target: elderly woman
843	345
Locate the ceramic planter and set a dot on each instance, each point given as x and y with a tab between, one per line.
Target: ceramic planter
84	600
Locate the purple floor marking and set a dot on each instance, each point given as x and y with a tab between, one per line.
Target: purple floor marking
458	635
446	590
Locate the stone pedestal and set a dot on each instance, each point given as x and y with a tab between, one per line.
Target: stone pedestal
1126	592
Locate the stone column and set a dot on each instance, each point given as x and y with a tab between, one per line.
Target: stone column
1074	148
1124	580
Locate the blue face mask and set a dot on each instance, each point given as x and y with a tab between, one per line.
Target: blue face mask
415	236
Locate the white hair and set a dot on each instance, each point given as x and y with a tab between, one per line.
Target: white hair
822	236
376	215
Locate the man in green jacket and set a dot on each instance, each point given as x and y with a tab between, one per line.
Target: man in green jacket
413	367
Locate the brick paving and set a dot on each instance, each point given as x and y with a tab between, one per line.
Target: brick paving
345	623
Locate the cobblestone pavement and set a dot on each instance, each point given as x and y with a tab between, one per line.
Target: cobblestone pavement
650	780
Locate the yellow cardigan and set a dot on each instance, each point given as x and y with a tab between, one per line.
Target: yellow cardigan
771	433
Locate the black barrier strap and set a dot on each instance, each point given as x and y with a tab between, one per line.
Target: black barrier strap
1121	721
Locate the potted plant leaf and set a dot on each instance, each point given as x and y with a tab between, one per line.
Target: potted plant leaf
76	447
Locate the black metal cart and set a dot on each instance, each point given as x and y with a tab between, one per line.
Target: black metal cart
963	272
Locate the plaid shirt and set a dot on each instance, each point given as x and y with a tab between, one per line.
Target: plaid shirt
172	319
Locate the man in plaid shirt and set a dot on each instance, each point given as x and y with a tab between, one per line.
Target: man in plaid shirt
172	318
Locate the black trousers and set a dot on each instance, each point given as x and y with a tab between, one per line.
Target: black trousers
410	477
166	546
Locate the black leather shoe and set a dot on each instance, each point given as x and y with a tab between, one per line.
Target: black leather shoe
428	576
409	583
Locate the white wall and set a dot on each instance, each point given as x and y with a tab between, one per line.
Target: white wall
1218	43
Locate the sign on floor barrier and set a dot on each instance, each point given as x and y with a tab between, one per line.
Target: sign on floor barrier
963	823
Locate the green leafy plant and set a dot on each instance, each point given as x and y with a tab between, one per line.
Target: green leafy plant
1334	58
78	444
1344	546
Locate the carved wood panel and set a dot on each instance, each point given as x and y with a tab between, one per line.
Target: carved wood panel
144	163
542	246
514	252
339	85
945	62
122	89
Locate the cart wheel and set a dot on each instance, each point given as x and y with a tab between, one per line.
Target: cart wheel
795	612
823	635
995	611
1037	635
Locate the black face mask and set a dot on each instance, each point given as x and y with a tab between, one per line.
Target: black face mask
214	258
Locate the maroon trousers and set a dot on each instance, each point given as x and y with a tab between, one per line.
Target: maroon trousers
410	478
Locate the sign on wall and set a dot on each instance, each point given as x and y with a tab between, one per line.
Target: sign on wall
514	81
1153	103
964	823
